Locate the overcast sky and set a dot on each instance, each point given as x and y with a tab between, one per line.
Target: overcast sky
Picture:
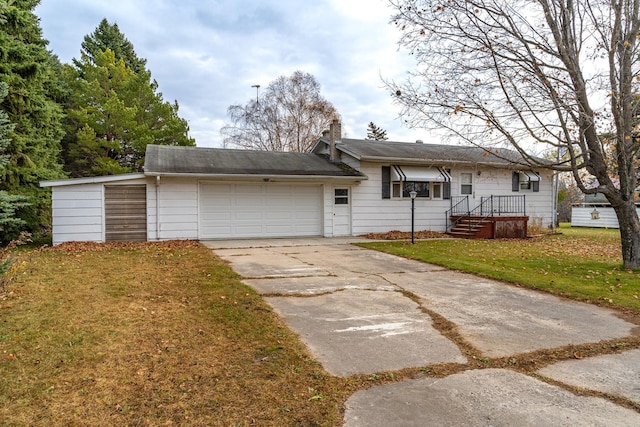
206	54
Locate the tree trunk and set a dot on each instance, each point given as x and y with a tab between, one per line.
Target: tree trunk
629	233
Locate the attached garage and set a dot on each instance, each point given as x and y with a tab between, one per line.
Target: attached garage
203	193
242	210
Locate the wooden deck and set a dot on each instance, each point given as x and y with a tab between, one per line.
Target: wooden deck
492	227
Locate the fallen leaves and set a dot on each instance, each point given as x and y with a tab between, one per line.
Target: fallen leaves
406	235
71	247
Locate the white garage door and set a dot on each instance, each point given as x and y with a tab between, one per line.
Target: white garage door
259	210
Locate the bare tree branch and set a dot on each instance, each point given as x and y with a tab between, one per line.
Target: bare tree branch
290	116
539	76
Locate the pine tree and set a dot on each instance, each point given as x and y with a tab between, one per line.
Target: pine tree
108	36
113	113
6	127
10	224
375	133
34	143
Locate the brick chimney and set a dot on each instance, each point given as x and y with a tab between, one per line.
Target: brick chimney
335	136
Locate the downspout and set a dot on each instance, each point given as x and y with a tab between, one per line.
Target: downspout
157	208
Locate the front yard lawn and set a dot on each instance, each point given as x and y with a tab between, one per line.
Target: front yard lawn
583	264
166	334
151	334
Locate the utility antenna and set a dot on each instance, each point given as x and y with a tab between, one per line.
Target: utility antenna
257	93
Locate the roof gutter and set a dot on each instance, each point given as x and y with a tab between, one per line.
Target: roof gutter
253	177
431	162
91	180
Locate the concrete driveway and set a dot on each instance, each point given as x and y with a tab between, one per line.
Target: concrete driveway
363	312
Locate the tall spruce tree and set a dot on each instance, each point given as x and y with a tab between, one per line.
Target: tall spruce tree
376	133
108	36
10	224
34	147
114	109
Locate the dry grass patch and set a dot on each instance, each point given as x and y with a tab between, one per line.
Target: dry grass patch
151	334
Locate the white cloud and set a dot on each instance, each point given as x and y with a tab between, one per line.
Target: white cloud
206	55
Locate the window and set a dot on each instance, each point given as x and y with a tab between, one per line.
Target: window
466	183
422	188
341	196
526	180
428	182
396	190
436	190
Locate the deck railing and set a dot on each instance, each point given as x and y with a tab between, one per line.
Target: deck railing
459	207
488	207
502	205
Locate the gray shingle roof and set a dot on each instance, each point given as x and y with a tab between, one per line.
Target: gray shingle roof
162	159
428	153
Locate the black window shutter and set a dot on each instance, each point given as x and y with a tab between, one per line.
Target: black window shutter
446	187
446	190
386	182
515	182
536	186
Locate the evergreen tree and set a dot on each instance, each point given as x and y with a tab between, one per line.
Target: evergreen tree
32	153
6	127
10	224
113	113
375	133
108	36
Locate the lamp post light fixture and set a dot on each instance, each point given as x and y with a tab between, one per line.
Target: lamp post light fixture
413	194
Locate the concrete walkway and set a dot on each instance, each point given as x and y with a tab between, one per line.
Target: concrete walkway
369	312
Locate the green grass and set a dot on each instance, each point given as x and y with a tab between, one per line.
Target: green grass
583	264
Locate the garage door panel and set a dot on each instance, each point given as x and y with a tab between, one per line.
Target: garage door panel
220	216
307	216
248	230
255	216
214	231
244	189
259	210
275	217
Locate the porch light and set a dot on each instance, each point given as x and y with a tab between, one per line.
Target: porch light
595	213
413	194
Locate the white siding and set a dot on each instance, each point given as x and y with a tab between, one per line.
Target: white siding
581	217
78	211
327	196
371	213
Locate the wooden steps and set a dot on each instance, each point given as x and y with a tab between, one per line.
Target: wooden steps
472	228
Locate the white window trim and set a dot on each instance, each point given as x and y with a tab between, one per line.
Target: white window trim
462	184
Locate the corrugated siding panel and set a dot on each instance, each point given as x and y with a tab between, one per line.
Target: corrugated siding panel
581	217
125	210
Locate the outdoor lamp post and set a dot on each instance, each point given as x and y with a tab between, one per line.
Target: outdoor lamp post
413	194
